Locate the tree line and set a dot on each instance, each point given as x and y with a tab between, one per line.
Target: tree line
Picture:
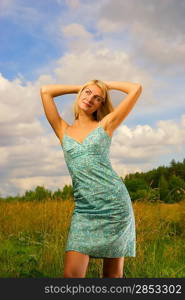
165	184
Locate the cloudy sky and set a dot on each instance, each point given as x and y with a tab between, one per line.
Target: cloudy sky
71	42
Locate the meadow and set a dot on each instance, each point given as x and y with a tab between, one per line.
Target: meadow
33	236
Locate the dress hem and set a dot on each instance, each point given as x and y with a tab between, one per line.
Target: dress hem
91	256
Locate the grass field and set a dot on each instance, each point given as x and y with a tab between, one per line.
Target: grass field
33	236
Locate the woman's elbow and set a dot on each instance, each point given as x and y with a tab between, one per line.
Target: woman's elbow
42	89
139	88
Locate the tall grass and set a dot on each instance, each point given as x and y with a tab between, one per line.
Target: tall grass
33	237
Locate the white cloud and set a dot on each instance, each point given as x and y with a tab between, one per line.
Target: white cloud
154	29
98	61
107	26
183	120
145	144
52	183
18	103
76	30
26	148
3	157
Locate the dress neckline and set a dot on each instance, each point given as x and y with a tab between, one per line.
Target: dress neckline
81	143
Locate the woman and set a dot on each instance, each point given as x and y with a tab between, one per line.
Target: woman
103	223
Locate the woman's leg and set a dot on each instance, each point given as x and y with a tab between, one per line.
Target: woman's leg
75	264
113	267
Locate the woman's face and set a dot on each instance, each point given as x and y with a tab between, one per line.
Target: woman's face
91	98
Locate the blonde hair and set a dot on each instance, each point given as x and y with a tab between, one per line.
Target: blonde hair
104	109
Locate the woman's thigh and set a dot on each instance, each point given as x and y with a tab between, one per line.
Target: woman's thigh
75	264
113	267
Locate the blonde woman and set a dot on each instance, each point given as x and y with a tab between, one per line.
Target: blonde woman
103	223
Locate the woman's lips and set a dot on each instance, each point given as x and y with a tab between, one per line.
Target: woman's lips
87	104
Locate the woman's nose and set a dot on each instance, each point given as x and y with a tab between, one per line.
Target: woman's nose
91	98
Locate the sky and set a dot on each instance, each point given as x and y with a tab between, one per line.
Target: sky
71	42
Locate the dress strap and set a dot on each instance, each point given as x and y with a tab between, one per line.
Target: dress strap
99	124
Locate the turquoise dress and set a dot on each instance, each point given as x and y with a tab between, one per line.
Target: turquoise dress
103	223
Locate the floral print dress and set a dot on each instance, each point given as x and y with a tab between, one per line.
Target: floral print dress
103	222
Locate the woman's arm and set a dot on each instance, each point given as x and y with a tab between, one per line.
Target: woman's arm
123	86
47	92
120	112
55	90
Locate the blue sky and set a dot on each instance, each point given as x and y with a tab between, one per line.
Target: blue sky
71	42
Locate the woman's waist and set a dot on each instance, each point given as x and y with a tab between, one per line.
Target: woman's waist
95	175
96	185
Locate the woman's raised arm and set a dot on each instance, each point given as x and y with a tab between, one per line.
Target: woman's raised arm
115	118
48	92
55	90
123	86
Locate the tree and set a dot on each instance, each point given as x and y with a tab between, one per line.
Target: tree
163	189
177	188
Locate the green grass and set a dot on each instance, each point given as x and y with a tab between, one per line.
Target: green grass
33	236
